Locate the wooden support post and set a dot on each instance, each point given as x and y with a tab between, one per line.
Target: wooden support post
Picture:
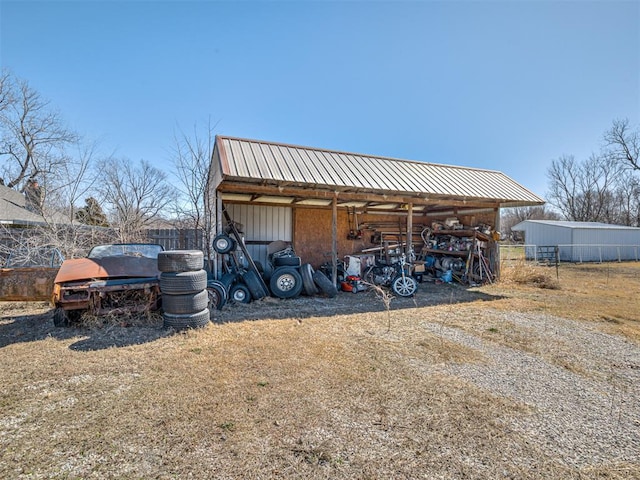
496	267
334	239
217	259
409	247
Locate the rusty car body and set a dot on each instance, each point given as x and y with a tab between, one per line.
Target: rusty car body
113	279
28	274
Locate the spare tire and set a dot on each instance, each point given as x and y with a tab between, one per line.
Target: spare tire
180	260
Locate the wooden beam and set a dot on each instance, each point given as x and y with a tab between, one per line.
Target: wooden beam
314	192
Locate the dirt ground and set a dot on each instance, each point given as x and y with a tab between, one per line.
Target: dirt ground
502	381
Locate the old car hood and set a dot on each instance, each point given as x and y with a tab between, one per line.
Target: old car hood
78	269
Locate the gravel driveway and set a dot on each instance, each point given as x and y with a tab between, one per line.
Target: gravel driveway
585	406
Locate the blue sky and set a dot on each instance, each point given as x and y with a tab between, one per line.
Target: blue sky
503	85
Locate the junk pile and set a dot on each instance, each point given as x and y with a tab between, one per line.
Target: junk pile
453	252
244	280
443	251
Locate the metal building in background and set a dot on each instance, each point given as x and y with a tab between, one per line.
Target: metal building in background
582	241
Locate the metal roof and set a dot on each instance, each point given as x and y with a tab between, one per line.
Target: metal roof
571	224
279	164
12	208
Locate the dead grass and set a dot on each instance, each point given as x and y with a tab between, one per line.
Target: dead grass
524	273
317	391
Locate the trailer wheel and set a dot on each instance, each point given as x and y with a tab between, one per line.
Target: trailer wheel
239	293
217	293
223	243
286	282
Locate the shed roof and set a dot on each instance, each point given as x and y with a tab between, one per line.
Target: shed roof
268	163
573	225
12	208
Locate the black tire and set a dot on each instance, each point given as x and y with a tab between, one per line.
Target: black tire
187	303
268	272
404	286
181	283
252	281
293	261
239	293
186	320
180	260
309	285
286	282
224	243
325	285
217	294
64	318
228	279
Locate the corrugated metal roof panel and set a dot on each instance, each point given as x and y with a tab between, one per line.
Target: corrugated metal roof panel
573	224
275	163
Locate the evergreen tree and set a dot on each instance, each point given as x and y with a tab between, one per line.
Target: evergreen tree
92	214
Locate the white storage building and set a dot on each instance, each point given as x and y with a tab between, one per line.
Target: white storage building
581	241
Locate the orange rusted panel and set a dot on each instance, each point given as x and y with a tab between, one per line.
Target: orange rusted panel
109	267
29	284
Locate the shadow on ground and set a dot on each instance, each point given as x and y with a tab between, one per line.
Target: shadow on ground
428	294
34	321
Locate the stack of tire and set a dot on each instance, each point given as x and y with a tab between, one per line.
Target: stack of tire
183	284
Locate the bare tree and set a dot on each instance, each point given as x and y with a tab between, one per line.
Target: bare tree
32	134
195	206
582	191
515	215
622	143
134	195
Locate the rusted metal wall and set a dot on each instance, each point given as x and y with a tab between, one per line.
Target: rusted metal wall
27	284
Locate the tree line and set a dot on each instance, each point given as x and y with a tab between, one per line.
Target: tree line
602	188
69	180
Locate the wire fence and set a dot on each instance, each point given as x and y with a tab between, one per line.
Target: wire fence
570	253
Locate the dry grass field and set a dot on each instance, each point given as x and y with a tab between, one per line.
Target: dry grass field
534	377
